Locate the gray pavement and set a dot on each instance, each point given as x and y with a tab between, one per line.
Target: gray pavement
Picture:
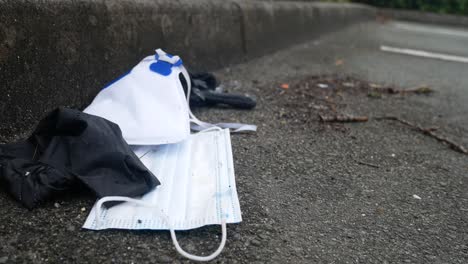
305	193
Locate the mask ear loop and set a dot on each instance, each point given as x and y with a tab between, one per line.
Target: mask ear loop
201	258
193	118
213	128
200	125
171	229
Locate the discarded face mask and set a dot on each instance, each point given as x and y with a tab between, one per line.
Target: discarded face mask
149	103
198	188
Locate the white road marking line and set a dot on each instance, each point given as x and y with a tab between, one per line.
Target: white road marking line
436	30
425	54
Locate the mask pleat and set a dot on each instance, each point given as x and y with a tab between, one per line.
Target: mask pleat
180	185
171	164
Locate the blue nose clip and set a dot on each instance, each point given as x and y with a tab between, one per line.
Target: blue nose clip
164	63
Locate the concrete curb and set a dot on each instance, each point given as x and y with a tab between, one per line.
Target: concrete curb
424	17
61	52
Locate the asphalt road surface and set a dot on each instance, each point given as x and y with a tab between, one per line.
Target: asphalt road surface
312	192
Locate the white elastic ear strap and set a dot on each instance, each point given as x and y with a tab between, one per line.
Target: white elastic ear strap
213	128
160	52
200	125
234	127
171	229
193	118
163	56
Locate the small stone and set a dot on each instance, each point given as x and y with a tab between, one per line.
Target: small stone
380	210
83	209
256	242
56	205
374	95
143	246
393	155
443	184
190	247
297	249
452	236
348	84
451	227
165	259
415	196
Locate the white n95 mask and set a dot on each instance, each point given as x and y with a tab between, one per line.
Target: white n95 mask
148	103
197	188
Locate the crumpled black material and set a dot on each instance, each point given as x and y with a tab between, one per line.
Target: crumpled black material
204	93
71	149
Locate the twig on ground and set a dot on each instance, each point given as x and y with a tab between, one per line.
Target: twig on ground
343	118
419	90
367	164
416	90
429	132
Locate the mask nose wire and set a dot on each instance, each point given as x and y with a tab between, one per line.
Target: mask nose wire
171	228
